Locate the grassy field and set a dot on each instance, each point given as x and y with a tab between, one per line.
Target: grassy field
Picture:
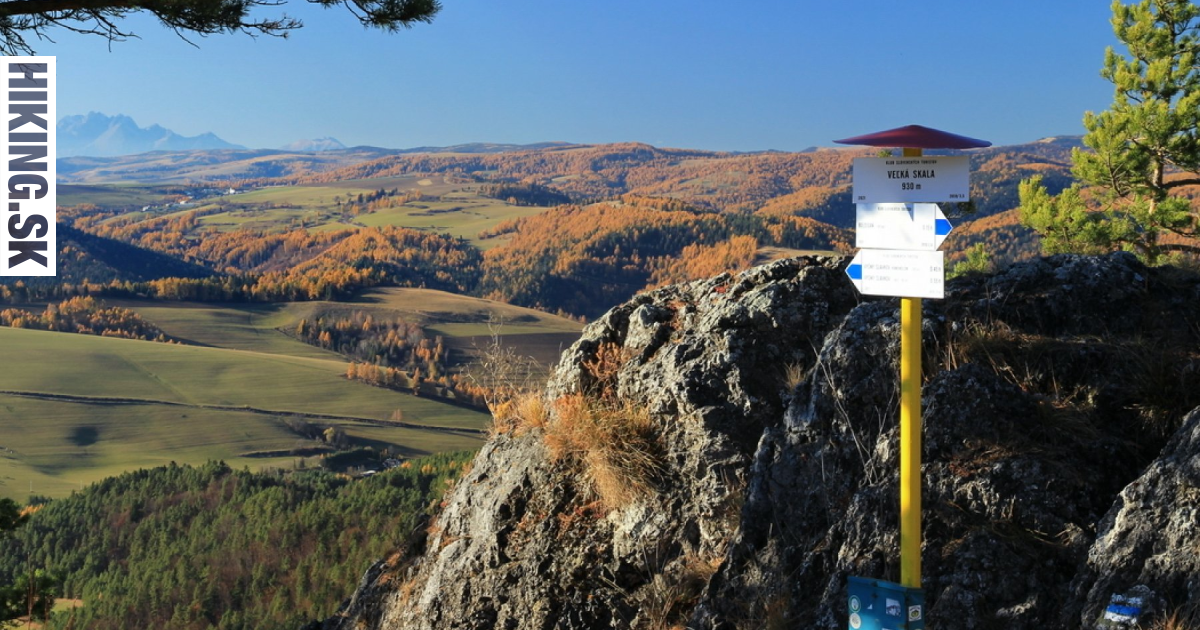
444	311
463	321
90	407
249	327
86	407
267	219
449	207
55	447
90	366
464	218
765	255
107	195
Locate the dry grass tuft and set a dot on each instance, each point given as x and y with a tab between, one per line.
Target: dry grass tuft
615	446
1186	618
604	368
671	596
519	414
1161	381
793	376
406	590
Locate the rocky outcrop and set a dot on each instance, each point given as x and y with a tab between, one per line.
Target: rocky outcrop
1058	471
1151	536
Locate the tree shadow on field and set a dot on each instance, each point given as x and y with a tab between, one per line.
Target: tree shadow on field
84	435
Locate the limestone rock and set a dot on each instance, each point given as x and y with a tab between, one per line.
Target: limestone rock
1149	537
1058	467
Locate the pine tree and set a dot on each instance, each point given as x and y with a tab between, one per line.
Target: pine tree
21	18
1141	150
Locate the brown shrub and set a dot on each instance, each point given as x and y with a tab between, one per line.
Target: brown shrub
519	414
614	445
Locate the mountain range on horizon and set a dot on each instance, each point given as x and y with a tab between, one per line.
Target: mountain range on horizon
99	135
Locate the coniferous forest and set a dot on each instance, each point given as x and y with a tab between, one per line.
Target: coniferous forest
197	547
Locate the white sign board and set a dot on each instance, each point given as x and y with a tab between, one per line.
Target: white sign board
900	226
911	179
898	273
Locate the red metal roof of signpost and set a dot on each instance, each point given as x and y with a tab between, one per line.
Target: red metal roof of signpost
916	137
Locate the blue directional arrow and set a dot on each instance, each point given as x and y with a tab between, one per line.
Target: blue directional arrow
898	273
914	226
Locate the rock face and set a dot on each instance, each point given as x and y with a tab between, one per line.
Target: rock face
1150	535
1059	466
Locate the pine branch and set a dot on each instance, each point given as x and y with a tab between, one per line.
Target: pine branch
1176	183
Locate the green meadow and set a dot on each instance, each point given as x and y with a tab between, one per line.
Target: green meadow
464	218
85	407
107	195
89	407
461	320
252	327
52	448
456	315
448	208
467	323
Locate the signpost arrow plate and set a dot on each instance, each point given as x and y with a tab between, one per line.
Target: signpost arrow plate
911	179
898	273
901	226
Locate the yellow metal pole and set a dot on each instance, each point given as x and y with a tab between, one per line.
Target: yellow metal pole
910	435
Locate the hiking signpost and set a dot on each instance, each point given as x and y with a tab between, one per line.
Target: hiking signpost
898	272
898	236
900	226
910	178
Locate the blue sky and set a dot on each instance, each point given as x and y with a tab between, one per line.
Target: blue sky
775	74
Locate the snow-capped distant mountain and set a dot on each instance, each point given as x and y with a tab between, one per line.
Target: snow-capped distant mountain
319	144
98	135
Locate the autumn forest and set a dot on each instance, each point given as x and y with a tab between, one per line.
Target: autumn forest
338	329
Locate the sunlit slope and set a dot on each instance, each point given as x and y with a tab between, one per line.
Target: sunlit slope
252	327
462	320
434	203
83	365
54	447
467	323
77	408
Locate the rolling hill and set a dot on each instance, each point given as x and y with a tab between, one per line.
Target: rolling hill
84	256
531	256
378	230
242	391
94	407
